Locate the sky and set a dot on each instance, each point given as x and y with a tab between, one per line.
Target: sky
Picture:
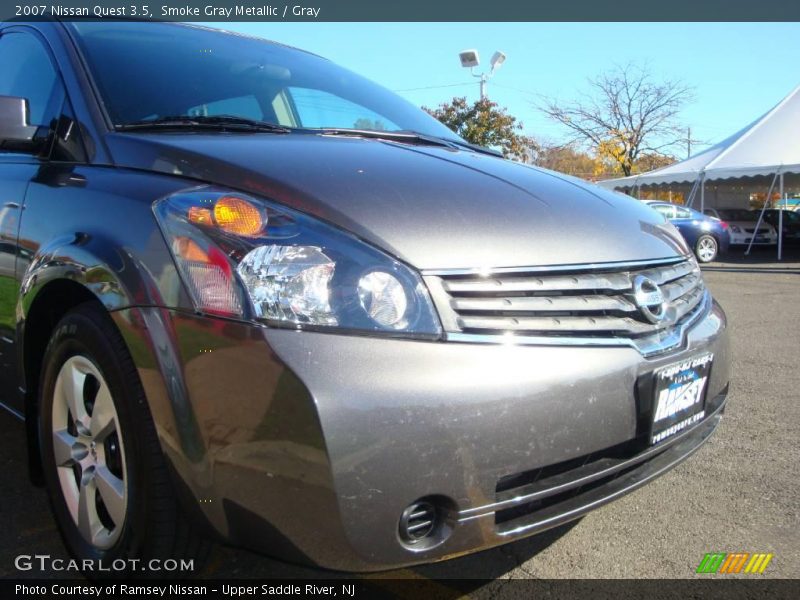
738	70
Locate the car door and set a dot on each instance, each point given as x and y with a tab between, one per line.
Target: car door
27	71
791	223
685	221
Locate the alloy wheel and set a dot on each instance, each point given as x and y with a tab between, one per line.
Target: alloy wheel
707	249
89	452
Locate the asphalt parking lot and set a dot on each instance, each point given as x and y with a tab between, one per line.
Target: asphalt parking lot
739	492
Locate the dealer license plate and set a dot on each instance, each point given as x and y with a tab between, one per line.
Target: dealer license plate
680	391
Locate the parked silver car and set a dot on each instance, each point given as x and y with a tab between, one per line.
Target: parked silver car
742	226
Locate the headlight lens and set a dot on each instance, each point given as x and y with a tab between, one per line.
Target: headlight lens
248	258
383	298
289	283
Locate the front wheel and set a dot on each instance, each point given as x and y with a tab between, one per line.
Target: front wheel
706	248
105	473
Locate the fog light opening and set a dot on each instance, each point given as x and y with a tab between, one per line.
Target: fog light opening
418	522
426	523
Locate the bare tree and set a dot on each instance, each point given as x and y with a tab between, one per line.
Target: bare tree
623	115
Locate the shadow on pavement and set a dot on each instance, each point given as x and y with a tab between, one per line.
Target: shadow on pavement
761	260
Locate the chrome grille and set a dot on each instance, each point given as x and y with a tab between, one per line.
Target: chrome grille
591	304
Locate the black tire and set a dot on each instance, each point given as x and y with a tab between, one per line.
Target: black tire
706	249
154	526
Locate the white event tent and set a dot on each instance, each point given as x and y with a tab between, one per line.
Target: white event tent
769	146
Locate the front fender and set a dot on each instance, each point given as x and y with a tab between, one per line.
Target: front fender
89	232
113	276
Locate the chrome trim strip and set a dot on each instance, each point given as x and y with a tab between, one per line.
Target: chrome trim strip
13	411
674	338
709	423
629	484
550	268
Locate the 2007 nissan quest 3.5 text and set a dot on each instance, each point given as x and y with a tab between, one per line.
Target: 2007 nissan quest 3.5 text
248	295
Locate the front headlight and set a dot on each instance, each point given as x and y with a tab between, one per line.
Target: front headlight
248	258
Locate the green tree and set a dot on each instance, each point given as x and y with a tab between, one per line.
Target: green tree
486	124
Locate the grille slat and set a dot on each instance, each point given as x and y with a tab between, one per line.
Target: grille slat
557	325
595	301
544	304
665	274
681	287
548	283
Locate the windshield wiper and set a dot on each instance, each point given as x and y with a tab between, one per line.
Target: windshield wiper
476	148
409	137
216	123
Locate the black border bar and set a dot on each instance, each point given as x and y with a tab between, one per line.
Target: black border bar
711	587
411	10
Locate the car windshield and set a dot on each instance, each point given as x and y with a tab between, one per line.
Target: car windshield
151	71
788	216
736	214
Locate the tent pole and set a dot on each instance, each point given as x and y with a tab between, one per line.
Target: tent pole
780	220
692	192
761	214
703	193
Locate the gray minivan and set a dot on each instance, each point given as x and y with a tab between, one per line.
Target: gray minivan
247	295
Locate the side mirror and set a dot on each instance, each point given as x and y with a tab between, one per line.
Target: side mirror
16	133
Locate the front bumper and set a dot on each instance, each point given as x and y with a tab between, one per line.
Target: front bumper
310	446
767	239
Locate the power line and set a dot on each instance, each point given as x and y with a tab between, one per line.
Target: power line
516	89
436	87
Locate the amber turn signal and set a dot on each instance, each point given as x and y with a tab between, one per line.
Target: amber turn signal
187	249
238	216
200	216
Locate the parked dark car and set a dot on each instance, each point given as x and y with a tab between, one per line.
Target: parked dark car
791	223
708	237
248	295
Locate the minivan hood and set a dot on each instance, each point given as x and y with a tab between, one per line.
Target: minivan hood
432	207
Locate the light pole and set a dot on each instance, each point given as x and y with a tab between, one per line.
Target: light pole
471	59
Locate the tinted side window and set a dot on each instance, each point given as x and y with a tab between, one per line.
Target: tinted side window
26	71
664	209
682	213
